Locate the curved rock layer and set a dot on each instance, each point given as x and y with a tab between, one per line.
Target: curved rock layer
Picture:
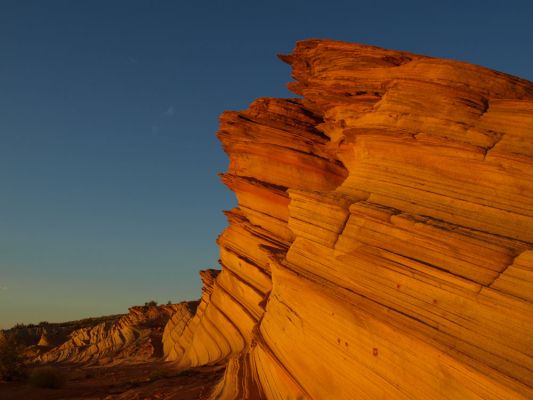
136	336
46	334
382	243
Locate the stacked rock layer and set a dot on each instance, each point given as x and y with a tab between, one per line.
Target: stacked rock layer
135	337
382	243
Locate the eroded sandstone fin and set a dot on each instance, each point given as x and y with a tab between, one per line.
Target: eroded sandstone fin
381	247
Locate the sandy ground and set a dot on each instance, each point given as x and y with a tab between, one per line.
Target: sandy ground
122	382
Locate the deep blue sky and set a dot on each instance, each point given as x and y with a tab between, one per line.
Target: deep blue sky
108	109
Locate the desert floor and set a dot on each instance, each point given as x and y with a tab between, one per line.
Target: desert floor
141	381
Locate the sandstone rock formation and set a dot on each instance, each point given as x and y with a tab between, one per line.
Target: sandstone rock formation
144	334
136	336
382	243
47	334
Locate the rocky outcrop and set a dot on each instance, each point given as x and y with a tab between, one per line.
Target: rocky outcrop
173	334
134	337
46	334
382	243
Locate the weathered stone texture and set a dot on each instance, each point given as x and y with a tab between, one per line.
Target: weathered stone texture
382	245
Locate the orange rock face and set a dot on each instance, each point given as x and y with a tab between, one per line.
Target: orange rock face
136	336
382	245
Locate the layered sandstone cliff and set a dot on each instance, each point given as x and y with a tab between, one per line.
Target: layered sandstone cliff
145	333
382	243
136	336
51	334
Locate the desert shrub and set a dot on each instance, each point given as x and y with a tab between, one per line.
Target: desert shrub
12	359
185	372
150	303
47	377
156	375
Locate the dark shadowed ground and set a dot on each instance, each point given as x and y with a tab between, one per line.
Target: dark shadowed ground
132	382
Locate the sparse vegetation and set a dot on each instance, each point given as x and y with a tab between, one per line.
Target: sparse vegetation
185	372
47	377
68	325
151	303
12	359
156	375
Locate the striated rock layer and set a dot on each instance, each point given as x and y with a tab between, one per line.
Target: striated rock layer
145	333
382	243
51	334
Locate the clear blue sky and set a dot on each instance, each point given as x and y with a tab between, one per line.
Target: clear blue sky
108	110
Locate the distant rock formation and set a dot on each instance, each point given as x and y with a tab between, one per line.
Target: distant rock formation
44	341
144	334
174	336
382	243
47	334
180	336
136	336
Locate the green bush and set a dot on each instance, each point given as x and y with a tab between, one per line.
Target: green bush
47	377
12	359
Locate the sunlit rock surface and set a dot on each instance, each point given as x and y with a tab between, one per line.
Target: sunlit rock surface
134	337
382	245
